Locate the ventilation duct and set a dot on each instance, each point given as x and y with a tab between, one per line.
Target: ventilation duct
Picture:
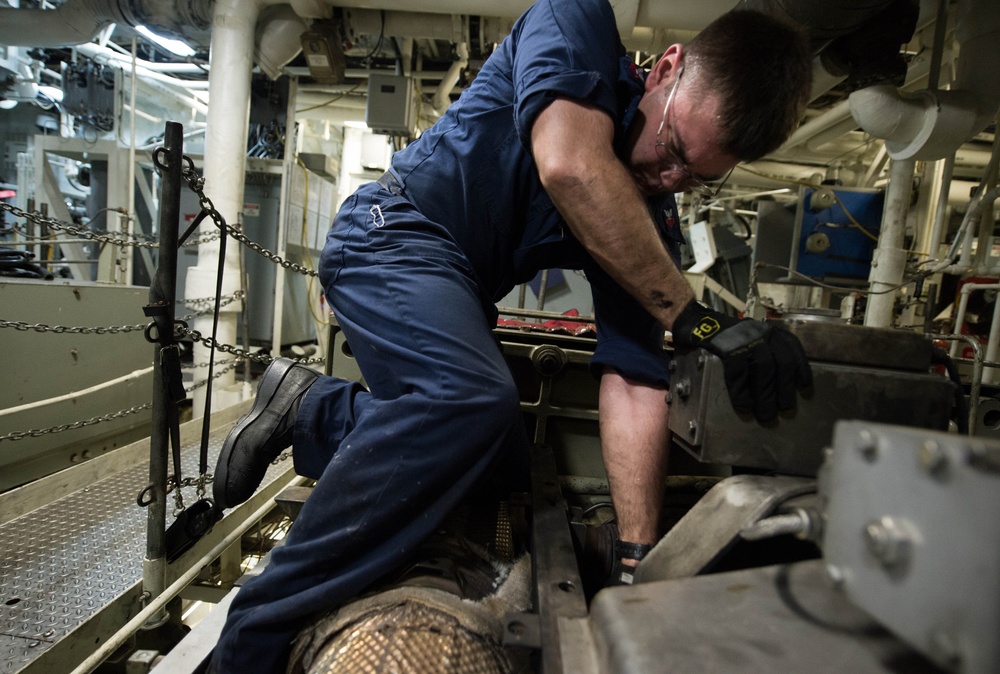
79	21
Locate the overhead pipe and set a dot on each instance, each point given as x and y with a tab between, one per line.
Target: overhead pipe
277	39
79	21
932	124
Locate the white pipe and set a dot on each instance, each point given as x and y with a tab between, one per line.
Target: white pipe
889	258
992	345
224	164
965	234
232	50
963	303
442	97
132	376
943	181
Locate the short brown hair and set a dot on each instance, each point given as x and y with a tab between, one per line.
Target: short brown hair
760	67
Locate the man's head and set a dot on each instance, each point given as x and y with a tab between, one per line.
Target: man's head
734	93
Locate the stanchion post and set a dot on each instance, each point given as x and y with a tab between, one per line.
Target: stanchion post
162	292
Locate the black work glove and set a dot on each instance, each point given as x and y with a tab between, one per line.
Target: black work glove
763	365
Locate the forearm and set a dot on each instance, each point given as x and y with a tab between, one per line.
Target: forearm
634	442
604	209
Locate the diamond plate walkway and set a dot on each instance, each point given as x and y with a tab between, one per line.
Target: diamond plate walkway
71	569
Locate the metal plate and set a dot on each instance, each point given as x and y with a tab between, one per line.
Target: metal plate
704	423
787	618
64	563
911	529
882	348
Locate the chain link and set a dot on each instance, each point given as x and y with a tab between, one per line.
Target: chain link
38	432
74	230
112	330
75	330
236	351
197	184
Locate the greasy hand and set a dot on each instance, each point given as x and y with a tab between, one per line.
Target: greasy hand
763	365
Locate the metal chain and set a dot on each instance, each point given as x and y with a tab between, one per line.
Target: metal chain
197	183
60	329
38	432
236	351
112	330
74	230
226	299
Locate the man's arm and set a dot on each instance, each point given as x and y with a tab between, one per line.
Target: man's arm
598	199
634	441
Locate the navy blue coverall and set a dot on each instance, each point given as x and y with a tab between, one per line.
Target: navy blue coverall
412	272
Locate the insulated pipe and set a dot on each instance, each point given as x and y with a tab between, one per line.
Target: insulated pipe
225	166
889	258
278	39
442	97
931	124
101	54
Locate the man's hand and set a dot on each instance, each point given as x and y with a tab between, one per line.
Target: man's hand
763	365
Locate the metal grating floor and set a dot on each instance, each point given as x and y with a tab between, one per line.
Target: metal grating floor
61	564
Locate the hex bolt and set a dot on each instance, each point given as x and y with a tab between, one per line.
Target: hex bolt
692	428
683	388
867	445
932	458
983	458
888	542
702	360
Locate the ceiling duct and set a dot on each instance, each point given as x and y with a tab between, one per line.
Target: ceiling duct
79	21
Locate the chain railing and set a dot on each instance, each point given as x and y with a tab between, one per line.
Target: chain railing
196	183
38	432
100	236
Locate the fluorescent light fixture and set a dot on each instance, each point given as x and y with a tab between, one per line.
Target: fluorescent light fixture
173	46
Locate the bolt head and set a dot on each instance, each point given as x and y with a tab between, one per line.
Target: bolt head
932	458
888	542
868	445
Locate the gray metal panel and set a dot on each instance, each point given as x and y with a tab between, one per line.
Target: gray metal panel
39	366
911	528
81	360
704	423
787	618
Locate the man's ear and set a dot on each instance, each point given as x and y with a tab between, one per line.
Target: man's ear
668	63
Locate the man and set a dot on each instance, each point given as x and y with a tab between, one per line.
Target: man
559	155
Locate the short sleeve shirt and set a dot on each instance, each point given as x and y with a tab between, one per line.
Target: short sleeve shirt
473	171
